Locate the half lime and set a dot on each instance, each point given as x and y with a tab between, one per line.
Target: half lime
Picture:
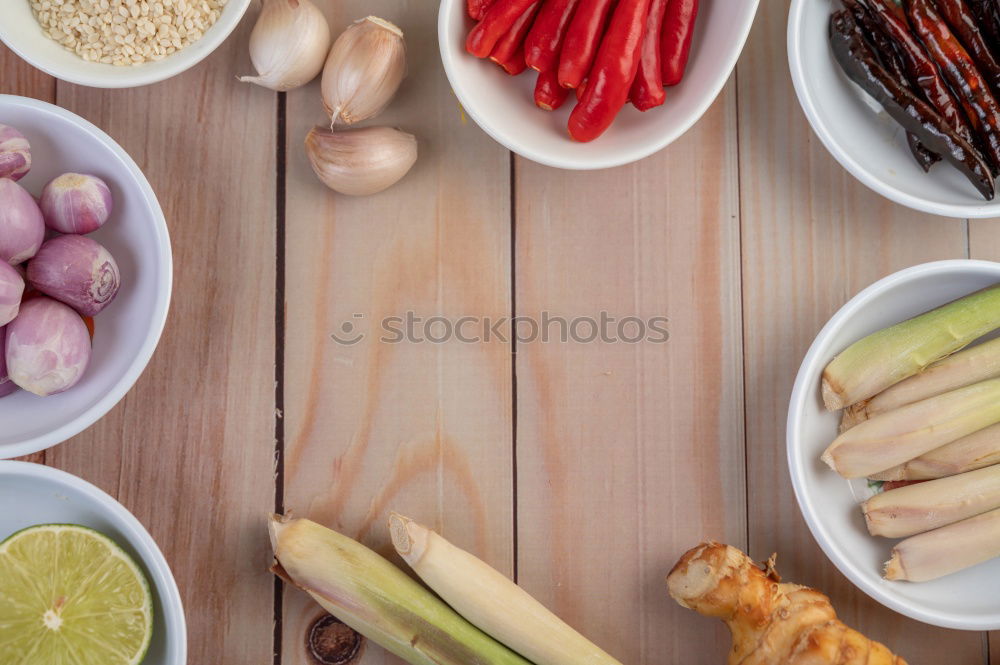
70	595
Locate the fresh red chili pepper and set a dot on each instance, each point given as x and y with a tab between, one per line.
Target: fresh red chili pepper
582	39
580	89
961	72
498	19
675	40
544	43
515	64
647	88
614	70
920	68
549	95
513	41
964	24
477	8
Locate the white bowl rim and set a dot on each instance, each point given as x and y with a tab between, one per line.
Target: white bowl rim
609	161
802	391
138	537
819	127
134	77
161	238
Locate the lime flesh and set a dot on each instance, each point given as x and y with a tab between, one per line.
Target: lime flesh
70	596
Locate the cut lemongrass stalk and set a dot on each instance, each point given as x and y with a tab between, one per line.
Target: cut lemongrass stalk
946	550
490	600
888	356
913	509
892	438
964	368
975	451
377	599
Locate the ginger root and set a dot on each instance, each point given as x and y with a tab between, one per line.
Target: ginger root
772	623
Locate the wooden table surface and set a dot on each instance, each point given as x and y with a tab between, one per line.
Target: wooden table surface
582	469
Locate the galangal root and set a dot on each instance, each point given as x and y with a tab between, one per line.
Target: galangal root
772	623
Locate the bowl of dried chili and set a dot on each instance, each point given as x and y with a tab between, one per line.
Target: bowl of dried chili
562	82
906	96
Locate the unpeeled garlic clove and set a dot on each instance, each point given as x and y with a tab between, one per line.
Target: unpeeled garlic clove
359	162
288	44
363	71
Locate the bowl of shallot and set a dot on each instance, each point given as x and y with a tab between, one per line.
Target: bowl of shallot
85	274
589	128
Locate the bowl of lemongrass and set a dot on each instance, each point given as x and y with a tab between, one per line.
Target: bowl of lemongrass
893	441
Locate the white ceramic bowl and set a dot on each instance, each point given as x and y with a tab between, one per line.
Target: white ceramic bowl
859	134
33	494
136	234
969	599
504	106
22	34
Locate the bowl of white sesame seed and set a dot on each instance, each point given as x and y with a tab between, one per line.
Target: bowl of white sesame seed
117	43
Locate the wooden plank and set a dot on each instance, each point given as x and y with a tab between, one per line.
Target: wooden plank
629	454
812	237
17	77
190	449
421	428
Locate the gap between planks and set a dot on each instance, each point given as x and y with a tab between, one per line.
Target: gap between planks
281	141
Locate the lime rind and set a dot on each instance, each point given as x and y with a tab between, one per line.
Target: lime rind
44	576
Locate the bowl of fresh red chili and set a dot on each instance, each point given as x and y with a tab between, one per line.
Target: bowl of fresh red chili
589	84
906	96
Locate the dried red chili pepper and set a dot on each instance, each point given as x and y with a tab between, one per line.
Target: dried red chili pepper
988	17
582	39
477	8
857	60
544	43
885	52
549	95
961	72
675	40
964	24
498	19
647	88
920	68
513	40
614	70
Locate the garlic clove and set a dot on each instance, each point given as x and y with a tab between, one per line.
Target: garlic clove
359	162
288	44
363	71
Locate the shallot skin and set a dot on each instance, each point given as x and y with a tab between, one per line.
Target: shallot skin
11	291
15	153
7	386
47	347
76	203
21	225
77	271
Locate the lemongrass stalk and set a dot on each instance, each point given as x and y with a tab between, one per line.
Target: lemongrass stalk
888	356
946	550
964	368
377	599
892	438
907	511
975	451
490	600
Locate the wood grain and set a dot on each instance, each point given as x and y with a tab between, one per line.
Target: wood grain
419	427
629	454
190	449
812	237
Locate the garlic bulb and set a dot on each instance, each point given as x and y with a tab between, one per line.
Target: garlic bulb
288	44
359	162
365	67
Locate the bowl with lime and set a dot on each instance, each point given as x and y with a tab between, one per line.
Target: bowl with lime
81	580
